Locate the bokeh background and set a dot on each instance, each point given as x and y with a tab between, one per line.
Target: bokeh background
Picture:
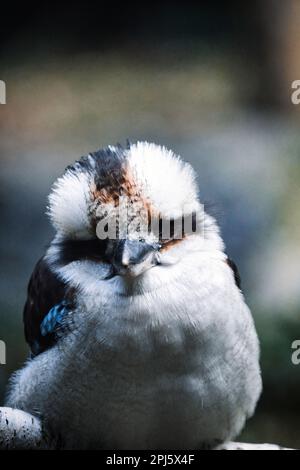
210	80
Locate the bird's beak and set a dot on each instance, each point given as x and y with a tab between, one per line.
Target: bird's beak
132	257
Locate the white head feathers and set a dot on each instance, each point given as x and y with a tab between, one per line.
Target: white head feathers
142	171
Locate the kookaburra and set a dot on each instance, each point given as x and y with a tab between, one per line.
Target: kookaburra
140	336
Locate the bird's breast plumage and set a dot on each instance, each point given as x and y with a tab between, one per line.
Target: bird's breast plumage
136	363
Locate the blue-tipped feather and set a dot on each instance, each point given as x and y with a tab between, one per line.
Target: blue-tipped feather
53	318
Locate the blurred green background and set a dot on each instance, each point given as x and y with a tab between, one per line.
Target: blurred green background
213	82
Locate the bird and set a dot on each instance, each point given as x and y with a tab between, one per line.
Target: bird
139	332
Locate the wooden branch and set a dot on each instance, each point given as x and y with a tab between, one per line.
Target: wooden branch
244	446
22	431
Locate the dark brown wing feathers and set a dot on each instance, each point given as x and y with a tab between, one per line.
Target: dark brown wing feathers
235	271
45	290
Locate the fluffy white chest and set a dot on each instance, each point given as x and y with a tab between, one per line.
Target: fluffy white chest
175	366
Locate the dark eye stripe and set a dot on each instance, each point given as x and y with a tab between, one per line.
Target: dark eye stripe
74	250
176	230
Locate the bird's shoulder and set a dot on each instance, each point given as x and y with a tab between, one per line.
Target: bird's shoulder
46	295
235	272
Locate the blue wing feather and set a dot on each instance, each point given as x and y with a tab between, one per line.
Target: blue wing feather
53	318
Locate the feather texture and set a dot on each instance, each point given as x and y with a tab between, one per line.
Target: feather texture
45	290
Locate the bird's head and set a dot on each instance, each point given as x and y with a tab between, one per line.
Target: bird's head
128	209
